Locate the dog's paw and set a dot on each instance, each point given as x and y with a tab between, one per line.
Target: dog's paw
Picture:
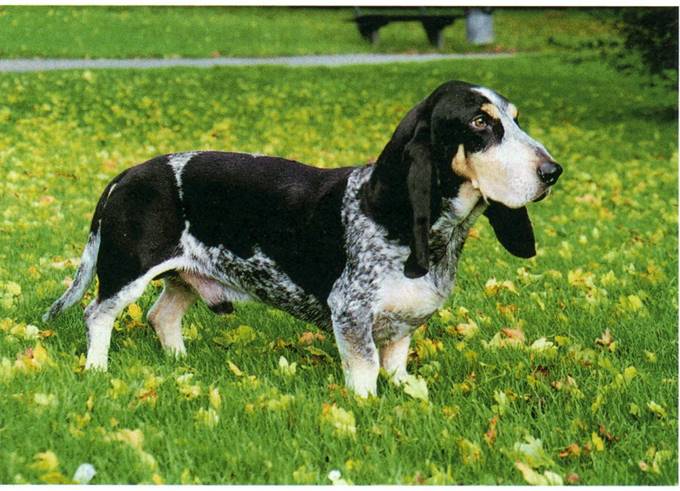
96	365
176	352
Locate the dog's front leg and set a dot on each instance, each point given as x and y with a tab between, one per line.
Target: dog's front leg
360	361
393	358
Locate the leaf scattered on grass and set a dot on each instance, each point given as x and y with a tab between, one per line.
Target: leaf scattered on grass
532	453
304	475
548	478
118	388
188	390
135	439
657	457
502	402
318	355
541	344
470	452
598	443
490	435
467	330
607	340
32	359
234	369
240	336
285	368
416	387
272	401
309	337
650	356
45	461
215	398
207	417
135	312
573	478
572	450
493	287
341	421
657	409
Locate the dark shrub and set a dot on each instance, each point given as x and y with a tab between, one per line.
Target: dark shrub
653	34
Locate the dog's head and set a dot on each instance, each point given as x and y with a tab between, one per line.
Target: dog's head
460	134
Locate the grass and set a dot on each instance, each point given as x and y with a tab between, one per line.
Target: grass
605	411
121	32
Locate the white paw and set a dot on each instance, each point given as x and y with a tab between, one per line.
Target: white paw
363	383
95	364
176	351
364	390
398	377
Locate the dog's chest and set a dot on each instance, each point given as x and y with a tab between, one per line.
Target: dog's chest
401	303
375	269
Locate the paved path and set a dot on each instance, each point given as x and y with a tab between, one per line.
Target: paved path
34	65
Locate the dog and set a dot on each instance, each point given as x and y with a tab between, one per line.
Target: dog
369	252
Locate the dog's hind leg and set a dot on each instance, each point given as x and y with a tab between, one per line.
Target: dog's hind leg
166	314
101	313
99	318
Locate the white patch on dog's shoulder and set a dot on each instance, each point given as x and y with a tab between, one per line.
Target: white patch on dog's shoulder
177	161
411	297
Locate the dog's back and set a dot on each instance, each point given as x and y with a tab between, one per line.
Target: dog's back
288	210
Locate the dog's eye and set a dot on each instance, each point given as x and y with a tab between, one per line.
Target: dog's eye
479	123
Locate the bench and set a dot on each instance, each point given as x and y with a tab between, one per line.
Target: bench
370	23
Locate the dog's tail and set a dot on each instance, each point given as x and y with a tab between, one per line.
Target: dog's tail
82	280
88	261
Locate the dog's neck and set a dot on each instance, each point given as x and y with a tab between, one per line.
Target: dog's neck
450	230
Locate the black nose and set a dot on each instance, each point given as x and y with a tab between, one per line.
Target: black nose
549	172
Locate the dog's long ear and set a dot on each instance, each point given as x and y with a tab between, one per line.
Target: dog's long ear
419	181
513	229
386	190
400	194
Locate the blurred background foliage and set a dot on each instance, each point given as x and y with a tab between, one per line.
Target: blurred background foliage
643	39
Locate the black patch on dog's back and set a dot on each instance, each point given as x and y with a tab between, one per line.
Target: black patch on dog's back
288	210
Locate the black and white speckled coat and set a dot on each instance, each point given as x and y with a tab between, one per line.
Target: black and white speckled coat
370	252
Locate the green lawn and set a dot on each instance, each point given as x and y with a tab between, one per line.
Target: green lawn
605	411
120	32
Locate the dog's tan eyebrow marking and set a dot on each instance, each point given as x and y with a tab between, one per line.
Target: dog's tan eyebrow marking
492	110
512	110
